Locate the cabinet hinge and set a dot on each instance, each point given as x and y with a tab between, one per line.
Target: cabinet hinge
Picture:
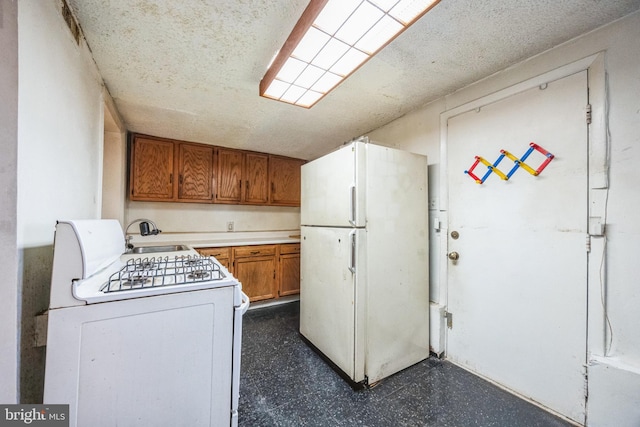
588	114
449	317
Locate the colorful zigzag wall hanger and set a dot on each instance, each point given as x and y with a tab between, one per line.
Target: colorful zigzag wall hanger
518	163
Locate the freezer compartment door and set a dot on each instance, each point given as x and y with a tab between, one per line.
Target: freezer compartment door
332	290
332	188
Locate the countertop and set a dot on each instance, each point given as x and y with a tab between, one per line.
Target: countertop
212	240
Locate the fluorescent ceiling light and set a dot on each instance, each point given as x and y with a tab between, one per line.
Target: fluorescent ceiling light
331	40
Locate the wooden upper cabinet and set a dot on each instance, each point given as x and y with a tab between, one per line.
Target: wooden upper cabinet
256	178
164	170
195	172
151	170
242	177
284	175
229	164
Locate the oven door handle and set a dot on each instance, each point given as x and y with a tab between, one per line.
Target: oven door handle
244	306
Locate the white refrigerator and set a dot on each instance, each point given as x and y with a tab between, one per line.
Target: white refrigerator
364	282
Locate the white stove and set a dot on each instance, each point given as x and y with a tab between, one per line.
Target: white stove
138	339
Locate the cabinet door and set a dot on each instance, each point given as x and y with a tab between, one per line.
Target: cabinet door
289	269
195	181
284	175
151	169
222	255
255	267
257	275
228	175
256	178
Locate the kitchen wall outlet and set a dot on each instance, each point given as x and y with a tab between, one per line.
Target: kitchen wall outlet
230	226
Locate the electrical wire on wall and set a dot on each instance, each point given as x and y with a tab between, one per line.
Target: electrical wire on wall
602	272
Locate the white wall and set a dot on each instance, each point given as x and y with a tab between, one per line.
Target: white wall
60	125
213	218
60	121
9	326
114	173
621	358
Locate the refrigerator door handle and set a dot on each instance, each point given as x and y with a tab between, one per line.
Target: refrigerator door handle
352	258
352	220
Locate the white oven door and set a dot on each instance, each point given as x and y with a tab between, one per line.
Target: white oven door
157	361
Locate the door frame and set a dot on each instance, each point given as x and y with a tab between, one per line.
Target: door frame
597	176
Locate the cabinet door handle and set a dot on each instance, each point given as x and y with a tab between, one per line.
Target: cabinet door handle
255	252
170	178
246	189
180	179
273	187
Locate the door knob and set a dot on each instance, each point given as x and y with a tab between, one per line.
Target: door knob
453	256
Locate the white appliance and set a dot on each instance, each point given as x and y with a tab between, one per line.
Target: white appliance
140	340
364	287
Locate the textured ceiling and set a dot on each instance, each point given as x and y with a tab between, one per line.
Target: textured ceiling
190	70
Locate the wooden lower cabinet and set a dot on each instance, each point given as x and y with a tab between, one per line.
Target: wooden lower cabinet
289	269
223	255
255	268
265	271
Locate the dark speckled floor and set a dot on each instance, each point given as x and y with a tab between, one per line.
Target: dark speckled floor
285	383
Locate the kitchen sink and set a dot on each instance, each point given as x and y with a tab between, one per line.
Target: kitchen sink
154	249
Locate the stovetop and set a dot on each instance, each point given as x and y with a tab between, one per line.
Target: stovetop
149	272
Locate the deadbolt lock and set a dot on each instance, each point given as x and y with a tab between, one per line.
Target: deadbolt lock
454	256
455	235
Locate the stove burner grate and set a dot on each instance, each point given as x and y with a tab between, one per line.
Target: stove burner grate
135	282
198	274
140	273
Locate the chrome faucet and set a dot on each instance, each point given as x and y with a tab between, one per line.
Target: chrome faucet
145	230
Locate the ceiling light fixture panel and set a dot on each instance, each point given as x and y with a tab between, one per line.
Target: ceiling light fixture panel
330	41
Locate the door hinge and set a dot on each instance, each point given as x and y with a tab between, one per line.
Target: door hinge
588	243
585	373
588	114
449	317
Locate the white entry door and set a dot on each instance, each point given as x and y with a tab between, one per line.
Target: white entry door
518	291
